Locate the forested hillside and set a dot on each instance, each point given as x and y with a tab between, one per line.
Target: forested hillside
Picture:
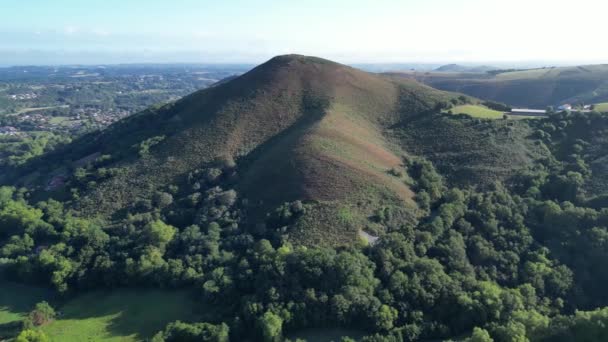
309	196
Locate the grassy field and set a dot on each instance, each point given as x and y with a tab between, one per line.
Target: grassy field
121	315
33	109
124	315
602	107
478	111
59	120
527	74
17	300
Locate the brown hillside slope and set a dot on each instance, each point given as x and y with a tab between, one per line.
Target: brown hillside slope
299	128
302	128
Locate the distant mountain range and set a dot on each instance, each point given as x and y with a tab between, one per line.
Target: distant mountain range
464	68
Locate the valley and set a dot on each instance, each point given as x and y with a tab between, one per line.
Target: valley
531	88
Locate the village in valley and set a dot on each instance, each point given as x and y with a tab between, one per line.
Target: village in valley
42	107
79	99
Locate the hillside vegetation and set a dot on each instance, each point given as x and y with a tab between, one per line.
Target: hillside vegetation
299	128
309	199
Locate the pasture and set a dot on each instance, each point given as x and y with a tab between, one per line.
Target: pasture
477	111
119	315
602	107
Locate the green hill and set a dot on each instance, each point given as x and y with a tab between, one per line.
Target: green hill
298	128
529	88
309	199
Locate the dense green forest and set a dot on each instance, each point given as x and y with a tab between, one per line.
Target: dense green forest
516	252
518	260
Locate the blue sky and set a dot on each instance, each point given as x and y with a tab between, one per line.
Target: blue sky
113	31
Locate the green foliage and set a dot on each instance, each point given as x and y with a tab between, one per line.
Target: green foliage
197	332
30	335
145	146
503	245
271	326
585	326
18	151
43	313
158	233
479	335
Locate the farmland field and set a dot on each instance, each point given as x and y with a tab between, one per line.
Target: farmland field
124	315
121	315
602	107
478	111
17	300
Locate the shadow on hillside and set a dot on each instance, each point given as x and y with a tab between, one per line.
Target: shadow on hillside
132	312
18	299
270	174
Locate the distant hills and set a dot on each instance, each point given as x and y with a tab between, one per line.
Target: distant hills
463	68
530	88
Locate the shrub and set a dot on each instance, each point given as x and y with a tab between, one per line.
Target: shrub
227	198
43	313
162	199
195	332
30	335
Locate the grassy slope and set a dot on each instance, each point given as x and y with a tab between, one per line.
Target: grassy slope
119	315
16	300
602	107
478	111
124	315
302	128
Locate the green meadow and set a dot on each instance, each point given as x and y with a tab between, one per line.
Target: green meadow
120	315
477	111
602	107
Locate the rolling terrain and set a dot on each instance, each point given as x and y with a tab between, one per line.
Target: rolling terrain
308	199
535	88
464	68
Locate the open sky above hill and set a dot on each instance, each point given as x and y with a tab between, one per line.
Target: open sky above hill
118	31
